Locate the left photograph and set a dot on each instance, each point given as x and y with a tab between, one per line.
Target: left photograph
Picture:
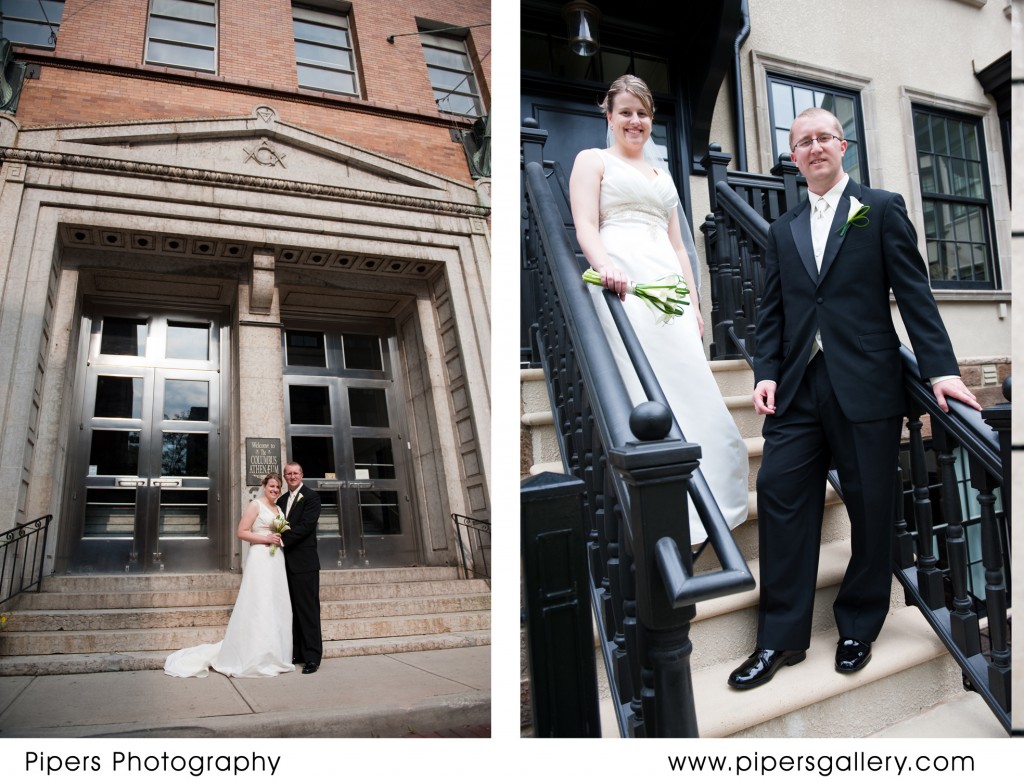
245	318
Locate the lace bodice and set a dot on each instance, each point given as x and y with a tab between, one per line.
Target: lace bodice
627	196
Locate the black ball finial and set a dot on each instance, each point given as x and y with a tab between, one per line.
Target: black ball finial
650	421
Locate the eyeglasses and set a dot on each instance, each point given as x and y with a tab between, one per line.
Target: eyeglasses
823	139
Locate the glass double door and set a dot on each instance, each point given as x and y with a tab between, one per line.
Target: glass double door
147	496
346	429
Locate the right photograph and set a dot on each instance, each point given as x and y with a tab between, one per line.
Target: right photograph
765	366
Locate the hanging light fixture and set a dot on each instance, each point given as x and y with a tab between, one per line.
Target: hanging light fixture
582	20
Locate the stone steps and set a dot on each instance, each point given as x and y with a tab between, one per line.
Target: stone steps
910	669
95	623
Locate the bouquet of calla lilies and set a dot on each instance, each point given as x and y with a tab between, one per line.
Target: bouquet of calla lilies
278	525
666	296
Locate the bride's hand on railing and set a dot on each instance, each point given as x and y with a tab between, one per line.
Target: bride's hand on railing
615	280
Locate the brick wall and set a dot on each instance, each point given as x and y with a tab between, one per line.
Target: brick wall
96	74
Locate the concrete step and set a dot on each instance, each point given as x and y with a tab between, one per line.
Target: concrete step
734	377
726	627
18	644
166	582
200	616
82	601
910	670
57	664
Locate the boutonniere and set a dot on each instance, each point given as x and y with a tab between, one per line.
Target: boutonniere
858	216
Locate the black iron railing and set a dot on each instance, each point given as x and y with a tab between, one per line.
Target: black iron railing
973	626
636	470
22	556
474	539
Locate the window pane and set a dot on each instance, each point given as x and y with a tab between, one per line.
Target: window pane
309	405
368	406
109	513
123	337
304	31
186	9
380	513
324	55
186	400
455	104
449	67
182	32
315	454
939	136
448	80
182	56
114	453
305	349
183	513
29	33
326	80
782	103
456	60
362	352
373	458
188	341
185	454
118	397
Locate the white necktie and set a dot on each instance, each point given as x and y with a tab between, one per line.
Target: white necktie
821	221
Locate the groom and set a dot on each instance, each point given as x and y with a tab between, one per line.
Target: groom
830	383
301	507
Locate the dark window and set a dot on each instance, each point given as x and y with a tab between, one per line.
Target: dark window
324	51
451	74
32	22
183	34
955	195
788	97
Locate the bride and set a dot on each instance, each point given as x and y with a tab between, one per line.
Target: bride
258	641
628	225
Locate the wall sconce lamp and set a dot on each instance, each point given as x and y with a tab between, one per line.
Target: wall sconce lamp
582	20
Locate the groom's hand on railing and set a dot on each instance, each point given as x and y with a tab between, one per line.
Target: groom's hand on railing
954	388
764	397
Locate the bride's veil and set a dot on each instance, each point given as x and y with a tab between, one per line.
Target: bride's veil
654	158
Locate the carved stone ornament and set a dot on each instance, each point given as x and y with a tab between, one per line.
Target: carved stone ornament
265	155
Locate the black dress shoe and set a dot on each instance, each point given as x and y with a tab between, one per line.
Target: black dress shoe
310	667
852	655
761	666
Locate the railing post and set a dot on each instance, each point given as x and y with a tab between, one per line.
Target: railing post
533	140
563	673
929	577
787	169
656	475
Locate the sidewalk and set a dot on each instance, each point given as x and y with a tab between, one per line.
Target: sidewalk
444	692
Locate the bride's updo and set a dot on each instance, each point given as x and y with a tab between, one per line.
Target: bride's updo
635	86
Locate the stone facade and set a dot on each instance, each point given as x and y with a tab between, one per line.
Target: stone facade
238	198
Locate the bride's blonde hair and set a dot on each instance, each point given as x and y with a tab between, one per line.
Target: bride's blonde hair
635	86
272	476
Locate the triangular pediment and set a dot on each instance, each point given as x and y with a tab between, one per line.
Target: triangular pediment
245	150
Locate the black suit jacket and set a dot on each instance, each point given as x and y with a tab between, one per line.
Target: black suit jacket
849	302
300	554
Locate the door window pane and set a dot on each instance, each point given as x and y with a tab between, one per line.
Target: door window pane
362	352
114	452
185	454
188	340
305	349
184	513
109	513
379	513
123	337
373	458
368	406
186	400
329	525
118	397
310	405
315	454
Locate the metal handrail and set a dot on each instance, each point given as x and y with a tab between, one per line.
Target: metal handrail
469	562
28	539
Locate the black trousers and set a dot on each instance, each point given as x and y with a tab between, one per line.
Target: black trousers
307	642
799	448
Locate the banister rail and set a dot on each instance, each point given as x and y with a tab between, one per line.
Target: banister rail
22	557
637	469
474	550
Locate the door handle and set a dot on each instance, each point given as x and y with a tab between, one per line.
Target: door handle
166	483
131	481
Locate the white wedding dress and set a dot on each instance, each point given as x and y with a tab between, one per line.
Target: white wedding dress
634	221
258	641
